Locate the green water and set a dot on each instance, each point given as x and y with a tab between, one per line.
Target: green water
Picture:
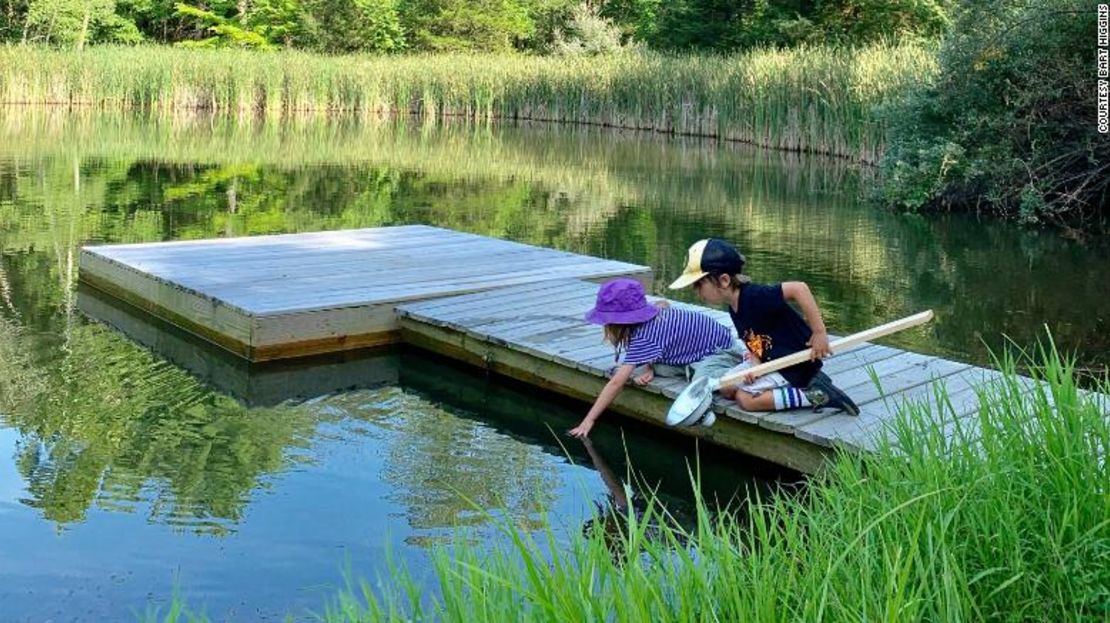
129	464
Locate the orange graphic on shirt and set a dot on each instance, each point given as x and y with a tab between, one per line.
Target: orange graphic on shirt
757	344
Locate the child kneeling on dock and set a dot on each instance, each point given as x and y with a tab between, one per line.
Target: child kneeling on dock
668	341
769	327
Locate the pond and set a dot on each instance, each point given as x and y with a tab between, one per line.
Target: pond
130	466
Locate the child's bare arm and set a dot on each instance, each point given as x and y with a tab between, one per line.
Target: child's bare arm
604	399
798	292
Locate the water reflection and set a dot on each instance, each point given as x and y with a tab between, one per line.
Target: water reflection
108	424
265	384
137	465
661	463
621	507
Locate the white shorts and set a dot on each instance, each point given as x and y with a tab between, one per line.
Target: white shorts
722	363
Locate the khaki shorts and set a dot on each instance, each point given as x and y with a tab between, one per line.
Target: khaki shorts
720	363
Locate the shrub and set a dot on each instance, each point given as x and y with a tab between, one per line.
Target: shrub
587	33
1007	126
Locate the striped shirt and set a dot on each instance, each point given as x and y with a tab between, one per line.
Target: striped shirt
676	337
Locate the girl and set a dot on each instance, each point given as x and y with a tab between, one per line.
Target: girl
666	340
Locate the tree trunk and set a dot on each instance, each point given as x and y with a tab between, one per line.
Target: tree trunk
84	30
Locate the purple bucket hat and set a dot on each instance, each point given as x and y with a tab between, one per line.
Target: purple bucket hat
621	301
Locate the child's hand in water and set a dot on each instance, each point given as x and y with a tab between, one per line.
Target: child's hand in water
645	378
583	429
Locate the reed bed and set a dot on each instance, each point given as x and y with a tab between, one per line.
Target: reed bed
1003	515
812	99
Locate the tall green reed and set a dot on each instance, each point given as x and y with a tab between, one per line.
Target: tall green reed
813	99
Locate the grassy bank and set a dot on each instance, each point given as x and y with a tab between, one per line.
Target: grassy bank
806	99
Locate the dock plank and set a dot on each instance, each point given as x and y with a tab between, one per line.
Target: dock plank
276	302
446	308
306	261
559	302
274	280
873	408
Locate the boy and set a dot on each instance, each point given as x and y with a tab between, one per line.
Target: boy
768	326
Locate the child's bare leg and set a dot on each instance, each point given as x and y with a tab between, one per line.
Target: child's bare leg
763	402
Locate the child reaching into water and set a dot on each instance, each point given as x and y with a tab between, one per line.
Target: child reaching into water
769	327
666	340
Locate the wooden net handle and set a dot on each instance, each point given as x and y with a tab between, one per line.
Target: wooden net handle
873	333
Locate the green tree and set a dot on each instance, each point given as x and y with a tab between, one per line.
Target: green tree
340	26
65	22
13	19
221	31
460	25
864	21
156	20
731	24
781	23
587	33
699	24
280	22
549	17
637	19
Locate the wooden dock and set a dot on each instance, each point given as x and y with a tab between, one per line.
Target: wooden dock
536	334
510	308
275	297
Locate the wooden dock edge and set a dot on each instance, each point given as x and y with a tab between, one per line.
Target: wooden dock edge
255	354
127	296
752	439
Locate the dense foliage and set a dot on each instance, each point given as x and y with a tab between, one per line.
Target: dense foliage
338	26
1008	124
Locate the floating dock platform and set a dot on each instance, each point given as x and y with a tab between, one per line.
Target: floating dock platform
283	296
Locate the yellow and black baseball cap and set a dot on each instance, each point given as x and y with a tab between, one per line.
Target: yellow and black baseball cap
710	256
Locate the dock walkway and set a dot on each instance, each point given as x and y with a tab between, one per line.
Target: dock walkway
536	334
